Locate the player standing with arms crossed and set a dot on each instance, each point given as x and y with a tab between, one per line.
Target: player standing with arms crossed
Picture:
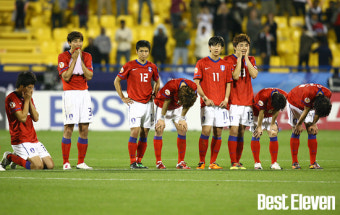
75	69
267	104
173	102
306	104
241	97
21	112
213	77
139	74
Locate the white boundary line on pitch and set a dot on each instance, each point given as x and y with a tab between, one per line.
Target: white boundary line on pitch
176	180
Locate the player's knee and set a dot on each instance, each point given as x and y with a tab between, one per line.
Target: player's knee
50	165
37	166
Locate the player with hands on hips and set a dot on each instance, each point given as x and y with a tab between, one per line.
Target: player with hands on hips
306	104
267	104
213	77
172	103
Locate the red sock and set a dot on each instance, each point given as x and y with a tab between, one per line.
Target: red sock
18	160
65	148
294	147
239	148
203	147
232	146
181	146
82	149
255	148
273	148
141	148
215	148
132	145
157	144
313	147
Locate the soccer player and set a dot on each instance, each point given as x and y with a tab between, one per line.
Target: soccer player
173	102
306	104
21	112
267	104
139	74
75	69
241	97
213	77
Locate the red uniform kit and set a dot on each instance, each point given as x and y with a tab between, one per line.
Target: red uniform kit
214	76
263	100
20	132
170	91
77	82
138	84
242	89
304	95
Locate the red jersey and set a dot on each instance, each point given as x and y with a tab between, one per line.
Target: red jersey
170	91
263	101
214	76
139	77
77	82
303	95
241	90
21	132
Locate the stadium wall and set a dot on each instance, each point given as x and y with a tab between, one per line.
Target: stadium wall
110	113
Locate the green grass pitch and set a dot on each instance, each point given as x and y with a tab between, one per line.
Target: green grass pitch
112	188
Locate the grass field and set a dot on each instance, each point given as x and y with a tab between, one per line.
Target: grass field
112	188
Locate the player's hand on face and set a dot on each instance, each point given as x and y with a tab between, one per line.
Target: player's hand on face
79	52
182	124
28	93
298	129
127	100
247	53
160	125
313	129
75	55
238	52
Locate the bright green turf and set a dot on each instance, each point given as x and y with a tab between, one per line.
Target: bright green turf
112	188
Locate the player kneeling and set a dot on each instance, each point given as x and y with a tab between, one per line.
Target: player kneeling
267	104
21	112
173	102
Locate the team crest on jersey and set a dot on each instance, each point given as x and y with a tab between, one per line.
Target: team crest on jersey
307	100
167	92
196	70
261	103
222	68
12	105
61	64
121	70
150	69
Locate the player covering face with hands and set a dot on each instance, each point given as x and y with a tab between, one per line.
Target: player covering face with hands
172	103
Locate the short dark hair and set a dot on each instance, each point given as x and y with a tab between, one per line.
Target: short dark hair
187	96
241	38
74	35
322	106
143	43
278	101
215	40
25	79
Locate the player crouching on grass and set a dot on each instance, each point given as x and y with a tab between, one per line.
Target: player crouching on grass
173	102
267	104
306	104
21	112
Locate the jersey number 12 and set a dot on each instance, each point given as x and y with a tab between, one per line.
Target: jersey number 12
143	77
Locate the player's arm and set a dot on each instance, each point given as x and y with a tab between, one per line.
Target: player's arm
87	73
273	127
160	125
33	111
200	92
224	103
22	115
237	70
156	87
68	73
253	72
258	130
118	87
298	128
